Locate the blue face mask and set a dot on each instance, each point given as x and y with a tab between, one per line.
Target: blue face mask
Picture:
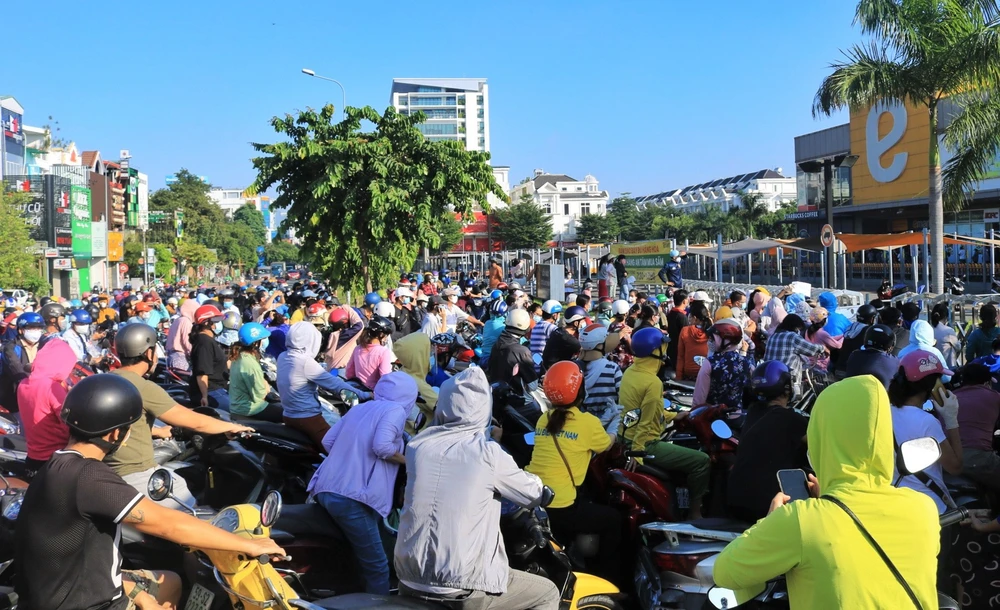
217	328
537	319
264	343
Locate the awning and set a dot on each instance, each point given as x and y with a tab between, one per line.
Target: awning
855	242
741	248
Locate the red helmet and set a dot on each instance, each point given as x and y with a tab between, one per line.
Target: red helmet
142	306
151	297
727	331
338	315
316	309
206	313
564	383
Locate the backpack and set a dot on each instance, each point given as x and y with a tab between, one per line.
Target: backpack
3	356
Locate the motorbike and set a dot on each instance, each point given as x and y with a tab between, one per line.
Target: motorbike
954	285
887	290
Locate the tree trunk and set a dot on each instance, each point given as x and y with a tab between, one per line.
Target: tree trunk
365	270
934	193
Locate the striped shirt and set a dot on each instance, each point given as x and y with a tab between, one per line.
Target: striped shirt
602	379
540	336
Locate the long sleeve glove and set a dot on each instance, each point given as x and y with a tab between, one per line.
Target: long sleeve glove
949	410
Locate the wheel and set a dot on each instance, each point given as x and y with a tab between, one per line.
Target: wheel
598	602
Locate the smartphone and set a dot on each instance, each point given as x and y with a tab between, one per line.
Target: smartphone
937	393
793	484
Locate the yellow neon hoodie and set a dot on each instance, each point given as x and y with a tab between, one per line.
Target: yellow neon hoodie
642	389
828	562
414	354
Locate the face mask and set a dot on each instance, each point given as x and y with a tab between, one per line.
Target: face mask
217	328
631	300
537	319
263	344
227	304
33	335
405	300
64	324
743	305
83	330
103	304
144	316
453	299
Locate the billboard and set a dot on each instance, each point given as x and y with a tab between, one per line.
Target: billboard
98	240
35	212
81	223
116	246
643	259
13	132
62	213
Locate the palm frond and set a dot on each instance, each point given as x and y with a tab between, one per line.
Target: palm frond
901	24
975	134
975	62
988	9
867	75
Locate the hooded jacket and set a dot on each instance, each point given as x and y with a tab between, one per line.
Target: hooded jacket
642	389
449	528
299	374
854	340
414	354
836	323
359	445
827	561
507	353
177	336
343	342
921	337
40	398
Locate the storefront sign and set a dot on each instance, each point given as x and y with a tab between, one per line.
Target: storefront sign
801	215
643	259
116	246
62	217
62	263
81	224
33	211
13	132
891	141
98	240
991	215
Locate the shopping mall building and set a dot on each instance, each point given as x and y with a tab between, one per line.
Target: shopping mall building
879	165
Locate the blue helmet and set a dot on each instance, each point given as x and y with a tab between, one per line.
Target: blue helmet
29	319
496	294
76	303
674	254
253	332
499	308
80	316
372	298
646	341
771	379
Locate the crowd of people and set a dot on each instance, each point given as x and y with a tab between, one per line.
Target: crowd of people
588	360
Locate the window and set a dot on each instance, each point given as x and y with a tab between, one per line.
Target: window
585	207
403	100
461	100
482	143
433	101
437	129
426	89
579	188
482	127
566	208
479	100
547	205
441	113
479	114
563	188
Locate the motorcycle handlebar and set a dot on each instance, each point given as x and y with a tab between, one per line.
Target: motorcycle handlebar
954	516
538	536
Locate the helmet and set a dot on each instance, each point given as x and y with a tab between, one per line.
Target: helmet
232	320
134	340
919	363
771	379
207	313
499	308
727	331
309	294
575	313
662	298
570	299
372	298
151	297
52	310
76	303
227	293
338	315
30	319
866	314
563	383
172	301
46	300
552	306
143	306
380	325
645	341
93	310
674	254
316	309
604	307
518	319
100	404
593	336
80	316
496	294
880	337
252	332
502	286
385	309
620	307
404	292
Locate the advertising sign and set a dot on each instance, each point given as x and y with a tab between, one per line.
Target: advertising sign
643	259
13	132
116	246
81	224
34	211
98	240
62	263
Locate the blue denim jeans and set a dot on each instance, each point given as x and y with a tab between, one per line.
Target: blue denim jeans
360	525
219	399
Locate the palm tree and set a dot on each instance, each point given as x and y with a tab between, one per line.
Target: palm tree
921	52
752	208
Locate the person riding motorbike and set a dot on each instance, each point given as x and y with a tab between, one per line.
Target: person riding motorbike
107	314
178	337
854	337
492	330
546	326
248	390
602	377
725	373
414	354
18	356
158	313
510	361
642	391
40	398
299	375
371	359
565	440
345	325
80	338
451	551
773	438
789	346
406	317
453	314
54	316
355	482
875	357
69	528
135	345
209	364
827	561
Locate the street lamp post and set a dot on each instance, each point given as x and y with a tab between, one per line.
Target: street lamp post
309	72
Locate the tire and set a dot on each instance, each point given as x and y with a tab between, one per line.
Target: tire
598	602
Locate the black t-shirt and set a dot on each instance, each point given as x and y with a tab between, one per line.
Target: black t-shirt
560	346
67	536
207	358
771	441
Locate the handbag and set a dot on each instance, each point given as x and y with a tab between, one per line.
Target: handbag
878	549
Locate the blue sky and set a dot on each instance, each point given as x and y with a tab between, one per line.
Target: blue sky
645	95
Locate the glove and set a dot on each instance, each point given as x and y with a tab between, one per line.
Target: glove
949	410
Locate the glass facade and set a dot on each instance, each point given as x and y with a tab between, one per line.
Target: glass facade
810	187
441	113
965	223
433	101
426	89
438	129
441	138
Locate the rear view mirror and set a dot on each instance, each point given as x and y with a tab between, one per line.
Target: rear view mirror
630	418
529	439
547	496
160	485
536	358
722	598
919	453
270	510
722	430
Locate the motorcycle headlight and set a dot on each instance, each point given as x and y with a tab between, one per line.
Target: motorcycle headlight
228	520
8	427
12	510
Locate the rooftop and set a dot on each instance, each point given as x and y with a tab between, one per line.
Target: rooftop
410	85
732	183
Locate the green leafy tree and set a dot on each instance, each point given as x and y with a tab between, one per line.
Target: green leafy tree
204	221
280	251
752	208
193	254
624	212
164	266
921	52
18	267
523	225
237	247
251	217
595	229
365	202
449	232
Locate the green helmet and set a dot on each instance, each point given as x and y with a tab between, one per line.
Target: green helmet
662	298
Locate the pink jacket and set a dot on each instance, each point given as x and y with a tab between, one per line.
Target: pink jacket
177	337
338	358
368	363
40	398
821	337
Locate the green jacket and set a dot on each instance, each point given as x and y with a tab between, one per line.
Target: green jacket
247	386
642	389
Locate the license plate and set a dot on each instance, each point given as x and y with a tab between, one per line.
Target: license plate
199	599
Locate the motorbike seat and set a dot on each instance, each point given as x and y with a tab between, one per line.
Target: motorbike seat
721	524
960	485
8	599
363	601
308	519
653	471
274	430
13	442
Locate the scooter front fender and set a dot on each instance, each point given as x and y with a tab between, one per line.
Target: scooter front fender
587	585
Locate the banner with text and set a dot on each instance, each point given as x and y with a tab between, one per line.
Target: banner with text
643	259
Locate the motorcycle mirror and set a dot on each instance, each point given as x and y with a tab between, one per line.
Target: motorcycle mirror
160	485
630	418
699	360
919	453
536	358
722	598
529	439
270	510
722	430
547	496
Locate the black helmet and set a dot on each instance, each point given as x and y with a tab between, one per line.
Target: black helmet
134	340
93	310
100	404
880	337
380	325
52	310
866	314
227	293
44	301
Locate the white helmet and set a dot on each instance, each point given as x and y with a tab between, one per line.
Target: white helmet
518	319
552	306
385	309
620	307
404	291
592	336
570	299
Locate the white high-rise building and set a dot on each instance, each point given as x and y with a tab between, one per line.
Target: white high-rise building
456	108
